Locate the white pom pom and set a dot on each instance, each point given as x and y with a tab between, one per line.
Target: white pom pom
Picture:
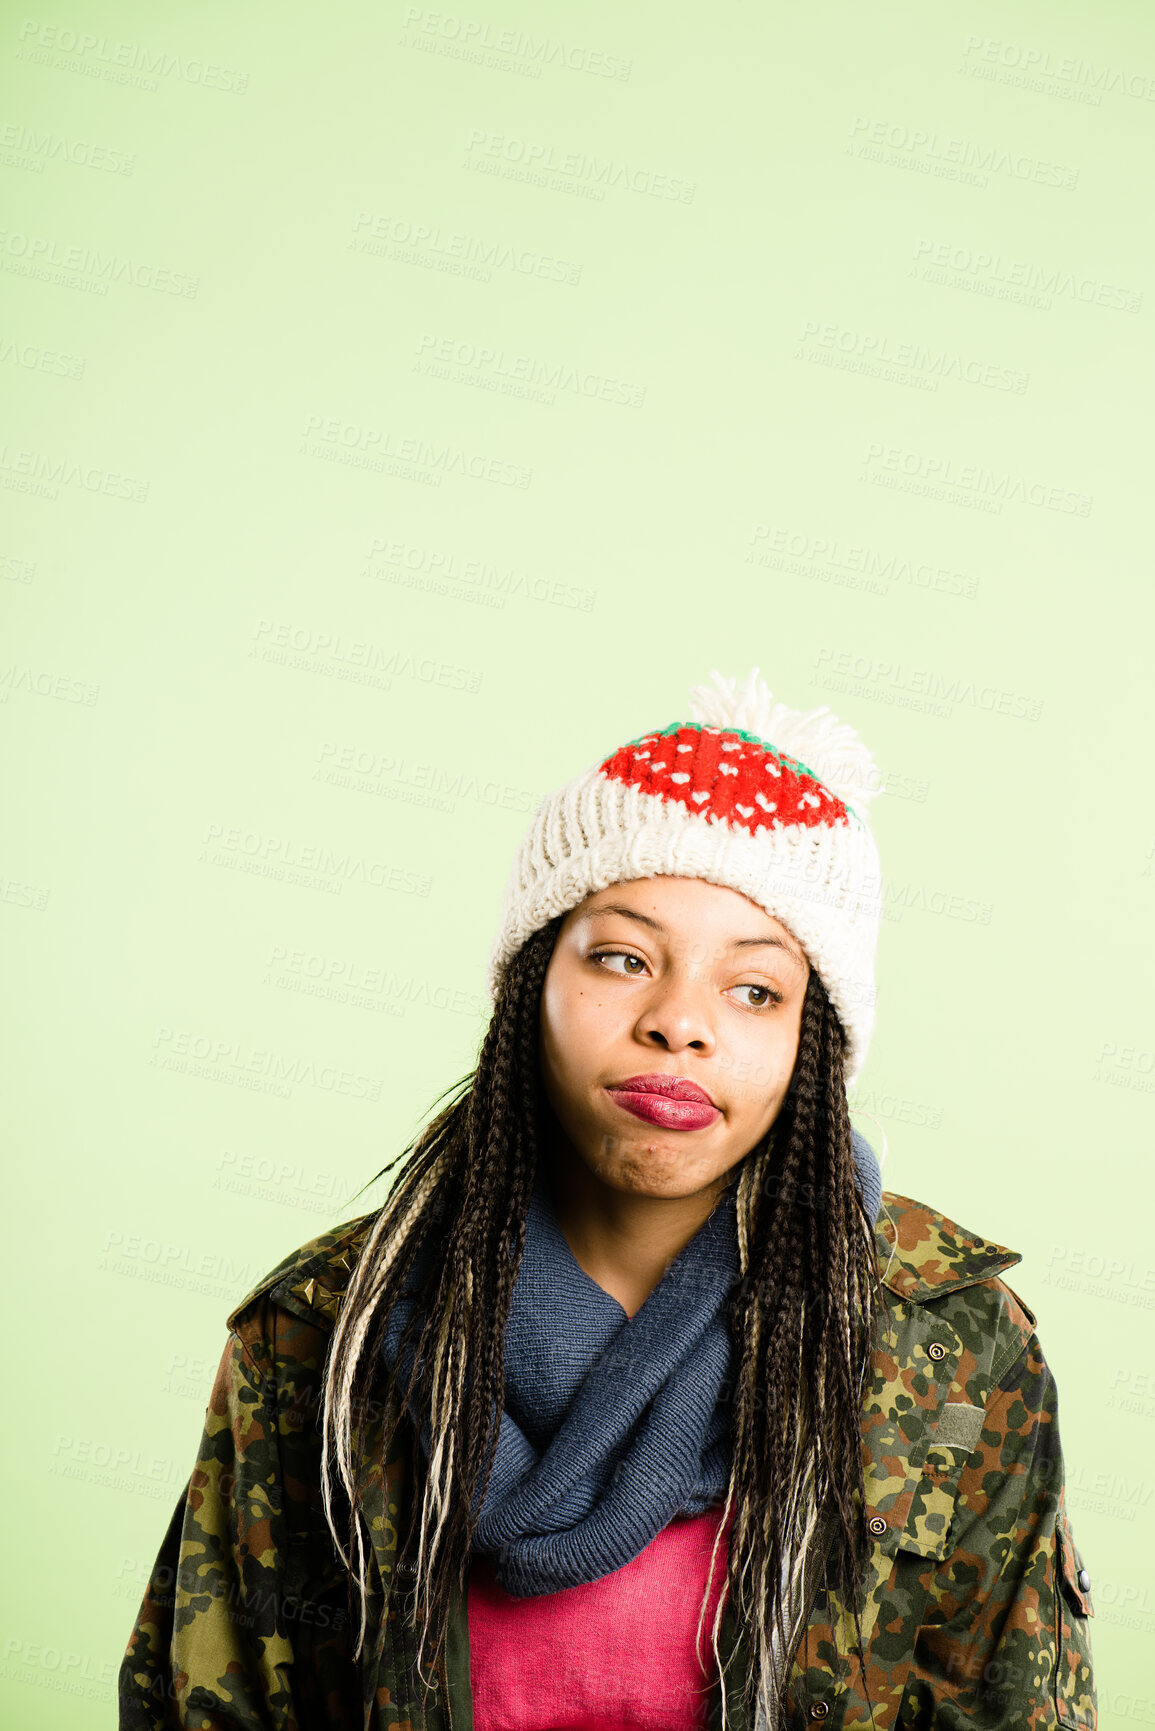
817	738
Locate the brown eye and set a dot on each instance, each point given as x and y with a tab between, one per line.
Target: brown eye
623	955
771	996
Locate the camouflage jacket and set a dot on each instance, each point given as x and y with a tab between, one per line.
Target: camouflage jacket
976	1597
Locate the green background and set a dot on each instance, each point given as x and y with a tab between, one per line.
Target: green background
681	338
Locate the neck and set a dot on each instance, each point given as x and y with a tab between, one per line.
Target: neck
623	1240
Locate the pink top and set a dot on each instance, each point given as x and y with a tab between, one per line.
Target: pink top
617	1654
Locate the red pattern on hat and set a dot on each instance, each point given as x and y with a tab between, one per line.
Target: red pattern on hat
736	776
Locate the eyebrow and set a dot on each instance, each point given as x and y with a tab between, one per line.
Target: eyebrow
656	925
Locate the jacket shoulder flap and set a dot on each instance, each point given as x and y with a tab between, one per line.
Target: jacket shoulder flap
310	1281
924	1254
952	1276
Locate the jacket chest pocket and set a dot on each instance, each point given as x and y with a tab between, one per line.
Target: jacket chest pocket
927	1528
910	1519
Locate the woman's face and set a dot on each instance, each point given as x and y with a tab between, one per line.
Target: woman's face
683	979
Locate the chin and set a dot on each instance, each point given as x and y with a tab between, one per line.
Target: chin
657	1171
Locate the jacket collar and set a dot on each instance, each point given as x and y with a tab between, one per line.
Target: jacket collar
923	1254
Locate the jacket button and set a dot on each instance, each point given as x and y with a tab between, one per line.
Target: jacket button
936	1350
1084	1581
876	1524
819	1709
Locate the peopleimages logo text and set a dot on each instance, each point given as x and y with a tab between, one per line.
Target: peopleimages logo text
1065	68
1023	274
476	33
577	166
962	152
974	478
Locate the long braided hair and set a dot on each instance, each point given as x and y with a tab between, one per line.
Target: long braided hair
802	1320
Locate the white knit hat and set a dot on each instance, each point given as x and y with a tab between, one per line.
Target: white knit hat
749	794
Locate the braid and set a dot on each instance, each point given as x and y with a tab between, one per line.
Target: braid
801	1320
467	1188
803	1317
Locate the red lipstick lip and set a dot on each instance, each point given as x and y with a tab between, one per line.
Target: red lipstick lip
665	1110
658	1082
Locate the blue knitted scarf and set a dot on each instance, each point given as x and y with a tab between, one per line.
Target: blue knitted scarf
612	1424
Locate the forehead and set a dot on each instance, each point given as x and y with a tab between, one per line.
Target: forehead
685	908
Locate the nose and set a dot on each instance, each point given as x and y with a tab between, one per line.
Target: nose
676	1015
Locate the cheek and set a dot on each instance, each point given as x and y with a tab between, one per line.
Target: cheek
578	1031
557	1014
567	1013
761	1067
576	1028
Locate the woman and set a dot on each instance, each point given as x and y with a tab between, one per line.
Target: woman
639	1403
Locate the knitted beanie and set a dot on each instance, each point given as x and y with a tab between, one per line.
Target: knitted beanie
748	794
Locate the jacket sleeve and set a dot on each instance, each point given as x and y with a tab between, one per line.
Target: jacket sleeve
1006	1638
241	1628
